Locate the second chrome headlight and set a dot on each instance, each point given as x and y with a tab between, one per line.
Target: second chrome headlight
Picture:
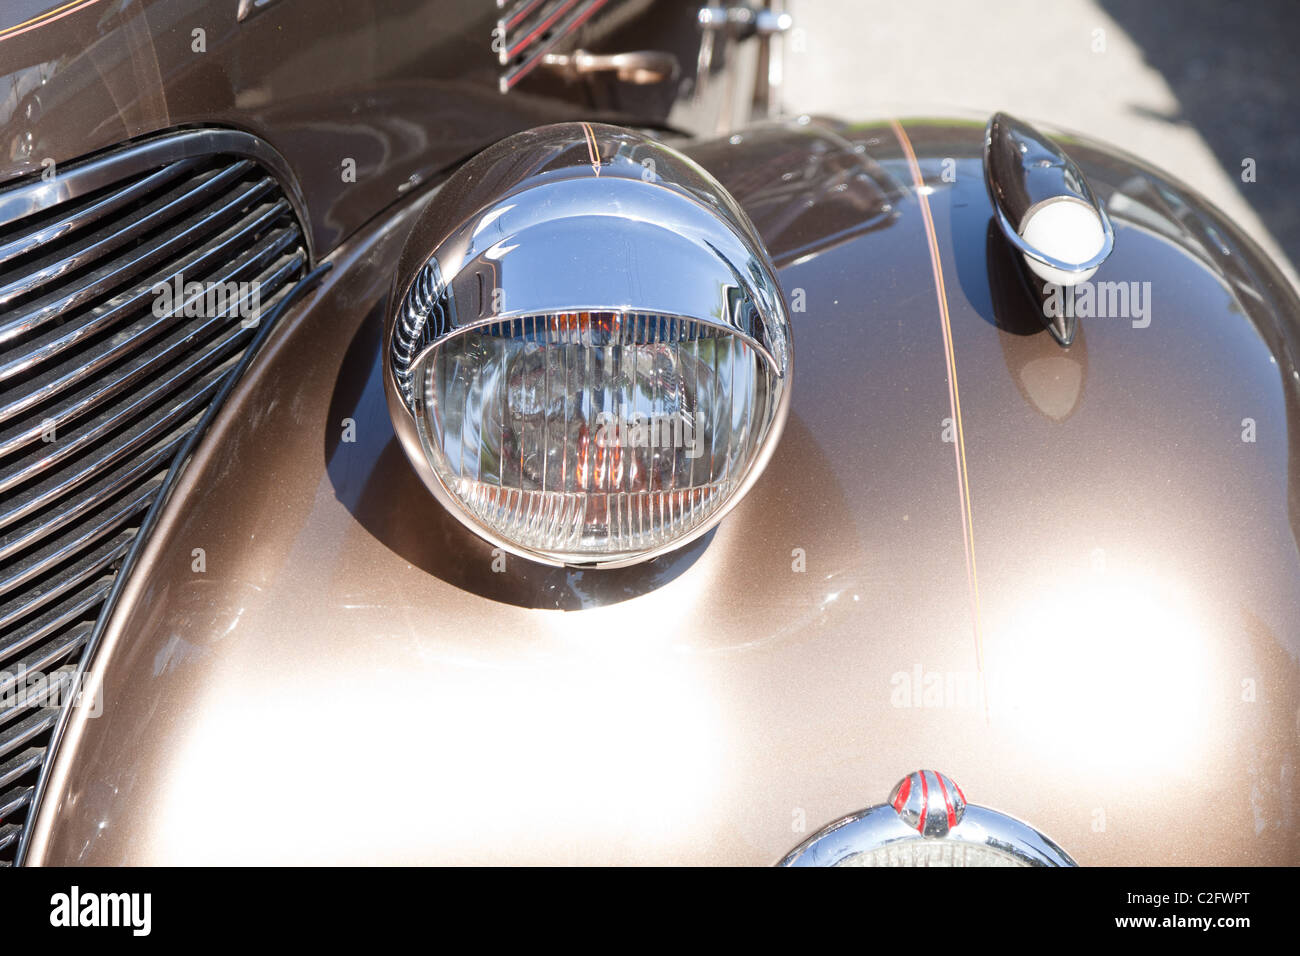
590	361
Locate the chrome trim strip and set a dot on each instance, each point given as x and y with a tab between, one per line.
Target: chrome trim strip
130	159
126	303
96	210
99	559
165	209
64	548
135	261
14	736
149	326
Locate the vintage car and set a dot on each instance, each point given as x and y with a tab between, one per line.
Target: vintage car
493	433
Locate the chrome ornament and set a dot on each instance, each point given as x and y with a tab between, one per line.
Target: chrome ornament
928	802
927	822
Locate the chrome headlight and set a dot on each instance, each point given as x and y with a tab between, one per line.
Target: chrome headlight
589	360
927	822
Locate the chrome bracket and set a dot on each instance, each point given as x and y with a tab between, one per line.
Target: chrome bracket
733	24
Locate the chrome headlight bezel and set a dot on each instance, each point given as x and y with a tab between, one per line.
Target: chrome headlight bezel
580	218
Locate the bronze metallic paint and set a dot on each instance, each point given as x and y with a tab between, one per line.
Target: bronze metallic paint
404	88
350	681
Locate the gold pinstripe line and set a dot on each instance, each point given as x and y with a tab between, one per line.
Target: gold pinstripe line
593	150
954	400
42	18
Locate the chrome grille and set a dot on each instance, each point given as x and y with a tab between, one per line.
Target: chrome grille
99	386
528	29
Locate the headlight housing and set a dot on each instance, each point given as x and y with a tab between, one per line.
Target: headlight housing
589	360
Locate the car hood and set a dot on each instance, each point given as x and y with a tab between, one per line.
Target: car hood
1065	577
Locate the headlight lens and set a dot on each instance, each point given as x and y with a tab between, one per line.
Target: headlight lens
594	368
594	435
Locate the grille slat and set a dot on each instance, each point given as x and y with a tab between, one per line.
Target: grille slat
68	545
14	800
39	460
17	767
90	564
47	493
104	488
123	305
68	611
98	391
85	213
122	231
99	355
131	263
154	388
48	655
99	388
34	699
112	445
24	731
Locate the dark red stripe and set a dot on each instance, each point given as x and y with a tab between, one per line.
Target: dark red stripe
903	793
531	63
522	12
541	28
947	801
925	804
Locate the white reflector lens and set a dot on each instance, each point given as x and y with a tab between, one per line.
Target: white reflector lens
594	436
